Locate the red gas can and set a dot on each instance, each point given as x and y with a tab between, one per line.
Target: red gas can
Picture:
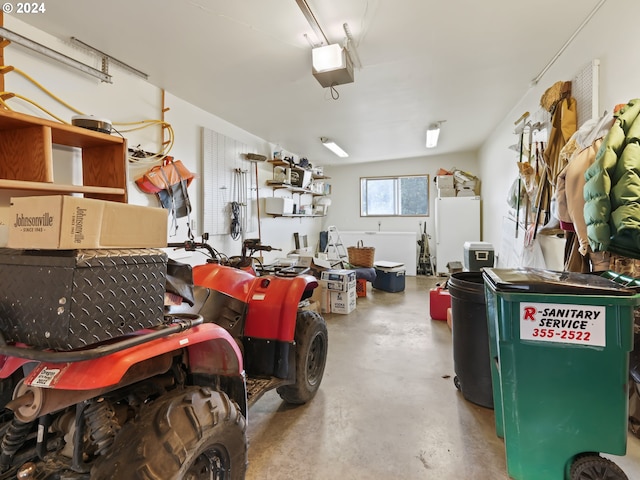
439	301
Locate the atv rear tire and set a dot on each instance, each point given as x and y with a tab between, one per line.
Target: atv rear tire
186	434
311	356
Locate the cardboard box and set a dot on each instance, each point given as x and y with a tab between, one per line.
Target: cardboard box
340	280
321	297
446	192
62	222
465	192
444	181
278	205
343	302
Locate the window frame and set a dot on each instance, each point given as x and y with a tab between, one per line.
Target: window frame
397	194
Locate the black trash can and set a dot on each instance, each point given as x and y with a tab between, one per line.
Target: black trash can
471	356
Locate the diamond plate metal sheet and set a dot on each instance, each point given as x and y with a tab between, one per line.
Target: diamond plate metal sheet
70	299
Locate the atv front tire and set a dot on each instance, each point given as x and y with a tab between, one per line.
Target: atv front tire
186	434
311	356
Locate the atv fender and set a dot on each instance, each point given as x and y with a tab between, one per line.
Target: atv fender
273	300
232	281
273	306
211	351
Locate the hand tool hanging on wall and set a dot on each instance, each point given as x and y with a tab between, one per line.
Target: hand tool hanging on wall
239	204
520	130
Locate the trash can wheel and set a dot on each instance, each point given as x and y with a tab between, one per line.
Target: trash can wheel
595	467
456	382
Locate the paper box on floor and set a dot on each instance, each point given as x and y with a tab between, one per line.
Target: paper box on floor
343	302
321	296
340	280
62	222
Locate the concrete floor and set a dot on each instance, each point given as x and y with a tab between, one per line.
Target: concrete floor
387	407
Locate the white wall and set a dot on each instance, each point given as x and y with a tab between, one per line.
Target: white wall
345	185
608	37
127	99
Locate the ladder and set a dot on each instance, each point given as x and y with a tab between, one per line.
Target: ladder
335	249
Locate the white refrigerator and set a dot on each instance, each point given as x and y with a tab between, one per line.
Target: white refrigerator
457	220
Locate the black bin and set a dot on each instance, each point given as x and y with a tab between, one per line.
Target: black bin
471	357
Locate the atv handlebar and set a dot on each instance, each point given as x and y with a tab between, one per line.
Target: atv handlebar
191	246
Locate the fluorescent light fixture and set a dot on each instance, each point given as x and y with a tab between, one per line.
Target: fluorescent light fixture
331	65
433	132
333	146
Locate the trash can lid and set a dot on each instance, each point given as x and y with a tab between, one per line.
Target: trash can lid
534	280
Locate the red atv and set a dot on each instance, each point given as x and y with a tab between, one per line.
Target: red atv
94	386
283	346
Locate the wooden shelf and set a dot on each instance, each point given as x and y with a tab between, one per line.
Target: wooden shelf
279	163
291	188
26	157
59	188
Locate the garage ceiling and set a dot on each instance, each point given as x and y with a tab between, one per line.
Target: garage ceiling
248	62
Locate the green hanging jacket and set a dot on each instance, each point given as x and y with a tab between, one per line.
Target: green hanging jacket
612	189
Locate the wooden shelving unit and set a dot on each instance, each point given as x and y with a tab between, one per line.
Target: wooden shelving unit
26	157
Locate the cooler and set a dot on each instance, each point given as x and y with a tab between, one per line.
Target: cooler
477	255
389	276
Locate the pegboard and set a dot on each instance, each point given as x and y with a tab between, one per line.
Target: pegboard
221	158
584	89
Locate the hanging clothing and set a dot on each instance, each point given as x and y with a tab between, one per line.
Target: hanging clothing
563	125
612	189
571	181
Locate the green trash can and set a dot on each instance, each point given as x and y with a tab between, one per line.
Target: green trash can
559	344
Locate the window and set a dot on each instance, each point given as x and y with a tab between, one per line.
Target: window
394	196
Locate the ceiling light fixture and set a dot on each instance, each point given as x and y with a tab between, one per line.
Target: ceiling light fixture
333	146
331	65
433	132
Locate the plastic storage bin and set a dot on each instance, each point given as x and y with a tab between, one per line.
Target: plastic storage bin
471	357
560	344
